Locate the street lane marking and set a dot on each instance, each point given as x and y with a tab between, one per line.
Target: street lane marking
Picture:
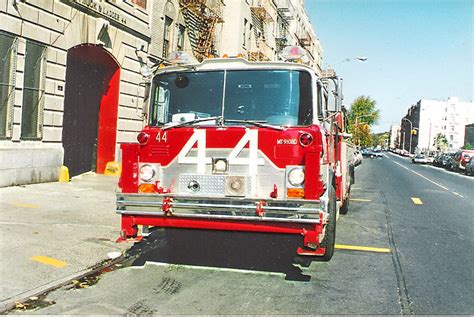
457	194
49	261
361	248
360	199
355	187
25	205
417	201
429	180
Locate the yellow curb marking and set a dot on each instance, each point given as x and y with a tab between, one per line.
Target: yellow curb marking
361	248
417	201
360	199
25	205
48	261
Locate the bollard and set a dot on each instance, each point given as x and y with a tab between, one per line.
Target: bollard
63	174
113	169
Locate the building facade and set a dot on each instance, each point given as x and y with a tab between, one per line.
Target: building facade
393	139
429	118
71	85
261	29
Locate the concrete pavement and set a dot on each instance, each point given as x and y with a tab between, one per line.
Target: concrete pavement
53	231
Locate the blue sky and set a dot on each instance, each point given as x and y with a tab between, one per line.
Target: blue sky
416	49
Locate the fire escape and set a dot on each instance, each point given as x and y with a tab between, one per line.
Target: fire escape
284	18
201	18
261	17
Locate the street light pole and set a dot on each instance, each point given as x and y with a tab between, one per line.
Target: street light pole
411	134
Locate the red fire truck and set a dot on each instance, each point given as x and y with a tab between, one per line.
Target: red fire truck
242	146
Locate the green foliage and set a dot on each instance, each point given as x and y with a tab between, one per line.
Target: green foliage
440	142
467	146
362	114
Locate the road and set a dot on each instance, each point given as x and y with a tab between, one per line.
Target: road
405	247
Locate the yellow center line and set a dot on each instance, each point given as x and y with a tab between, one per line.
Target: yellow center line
361	248
360	199
48	261
25	205
417	201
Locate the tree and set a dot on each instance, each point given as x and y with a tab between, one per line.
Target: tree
440	142
467	146
362	114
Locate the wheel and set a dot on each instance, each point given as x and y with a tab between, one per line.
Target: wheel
330	237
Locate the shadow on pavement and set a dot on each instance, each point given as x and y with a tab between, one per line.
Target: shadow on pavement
226	249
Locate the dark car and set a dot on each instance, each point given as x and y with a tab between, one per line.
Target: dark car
445	160
450	162
437	160
469	167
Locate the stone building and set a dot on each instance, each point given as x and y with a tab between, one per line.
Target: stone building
71	82
71	88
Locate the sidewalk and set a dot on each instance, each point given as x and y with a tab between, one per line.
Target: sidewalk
51	231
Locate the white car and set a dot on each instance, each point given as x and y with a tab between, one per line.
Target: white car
357	158
419	159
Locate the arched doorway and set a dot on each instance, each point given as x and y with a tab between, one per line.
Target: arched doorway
90	109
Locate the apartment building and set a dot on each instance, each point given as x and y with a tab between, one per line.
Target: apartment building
393	139
428	118
261	29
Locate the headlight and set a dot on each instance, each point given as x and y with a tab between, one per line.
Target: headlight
296	176
147	172
219	165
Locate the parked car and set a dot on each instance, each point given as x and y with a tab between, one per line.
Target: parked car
357	158
469	170
445	159
421	159
437	160
450	162
460	159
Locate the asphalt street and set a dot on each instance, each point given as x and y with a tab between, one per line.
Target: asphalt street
404	247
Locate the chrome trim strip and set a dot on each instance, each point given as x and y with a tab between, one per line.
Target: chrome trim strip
199	205
221	217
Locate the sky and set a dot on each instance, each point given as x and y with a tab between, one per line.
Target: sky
415	49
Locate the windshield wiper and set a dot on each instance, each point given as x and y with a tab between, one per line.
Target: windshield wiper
191	122
256	123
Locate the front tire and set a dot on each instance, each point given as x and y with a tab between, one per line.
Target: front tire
330	236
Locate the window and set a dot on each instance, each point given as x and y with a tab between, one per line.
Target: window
181	34
279	97
167	36
8	46
33	90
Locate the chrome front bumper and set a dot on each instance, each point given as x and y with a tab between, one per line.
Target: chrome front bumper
238	209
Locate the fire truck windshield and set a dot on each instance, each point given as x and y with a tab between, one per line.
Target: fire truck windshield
272	97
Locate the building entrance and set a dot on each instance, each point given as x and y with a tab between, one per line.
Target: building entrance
90	109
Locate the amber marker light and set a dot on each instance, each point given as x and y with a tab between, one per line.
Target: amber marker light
295	193
147	188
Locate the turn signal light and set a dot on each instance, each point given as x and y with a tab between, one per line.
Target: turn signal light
295	193
147	188
142	138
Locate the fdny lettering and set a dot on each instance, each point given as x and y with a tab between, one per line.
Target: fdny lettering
287	141
235	158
